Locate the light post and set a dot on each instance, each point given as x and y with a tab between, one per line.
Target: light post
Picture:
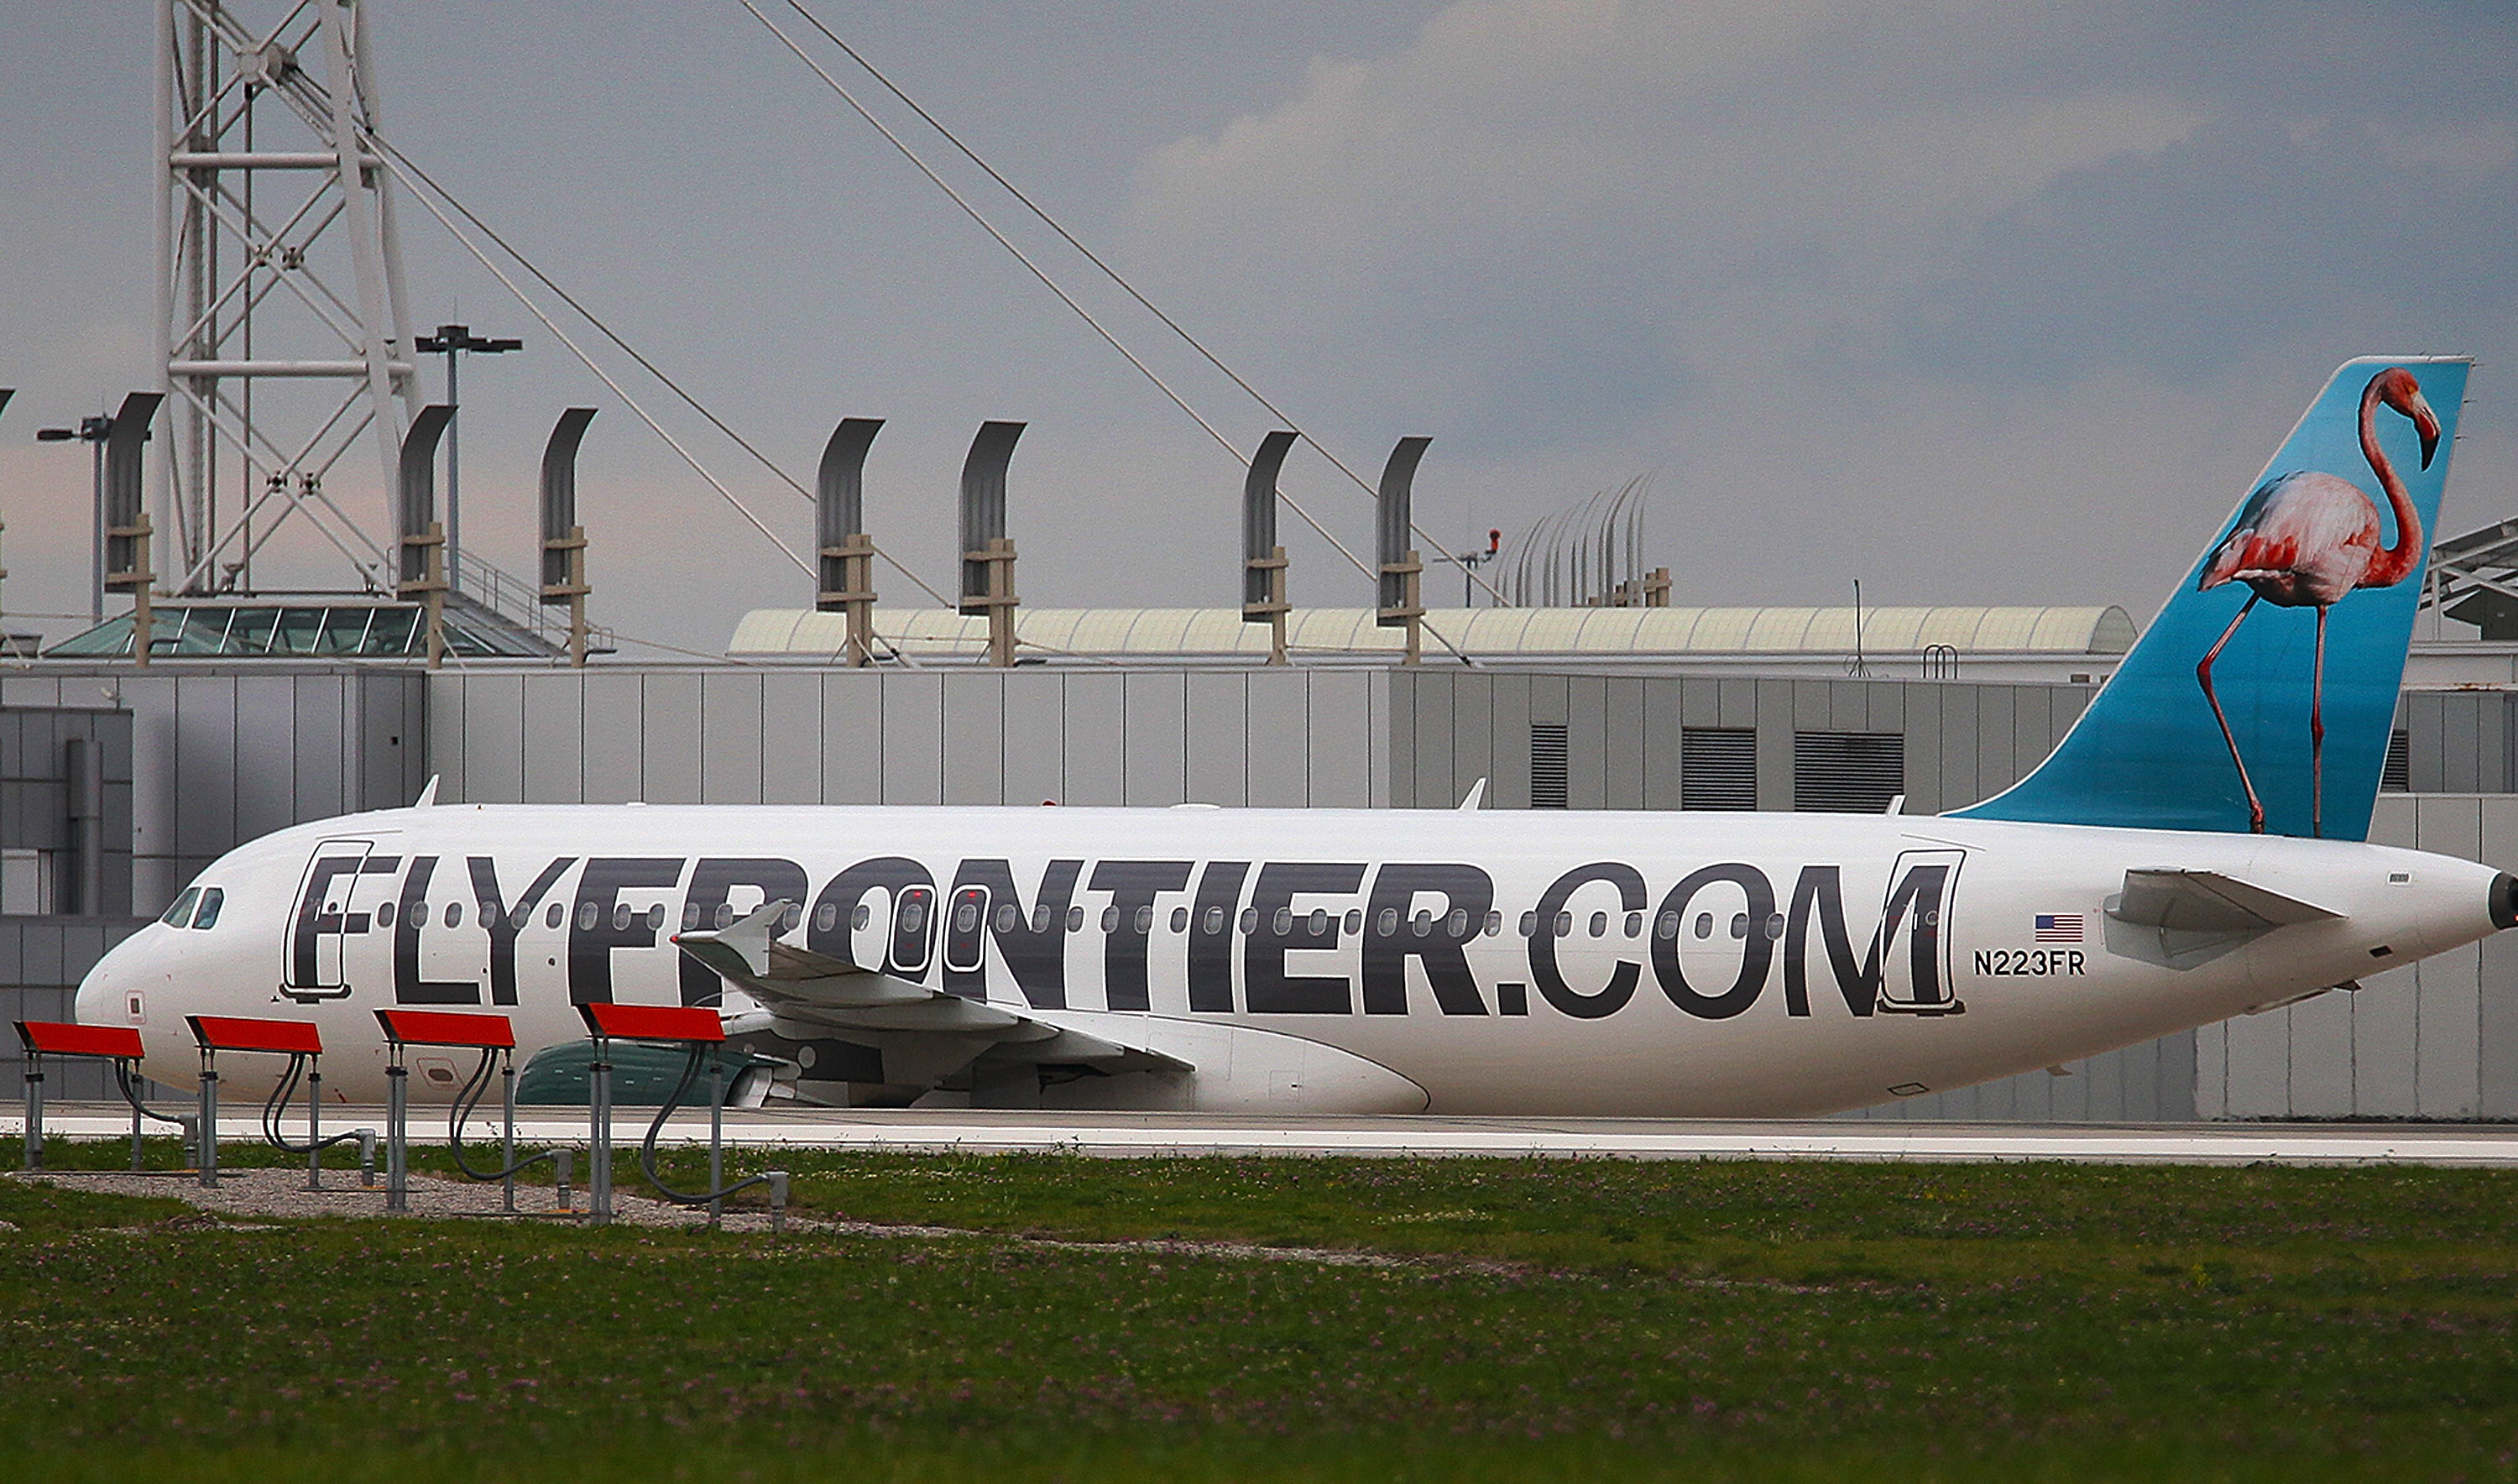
451	341
92	431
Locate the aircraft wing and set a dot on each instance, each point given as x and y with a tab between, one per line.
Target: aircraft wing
809	995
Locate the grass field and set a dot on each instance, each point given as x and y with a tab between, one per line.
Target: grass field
1549	1319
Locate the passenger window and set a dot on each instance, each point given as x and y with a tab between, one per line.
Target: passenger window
181	911
1354	921
864	914
1007	917
1740	925
1421	924
1494	923
1249	919
966	917
1144	921
1599	923
827	916
1458	923
1565	925
1529	924
655	917
586	912
1110	919
1319	923
1285	923
1703	924
385	914
1075	919
1634	925
1214	920
211	900
1668	927
550	919
1179	919
455	914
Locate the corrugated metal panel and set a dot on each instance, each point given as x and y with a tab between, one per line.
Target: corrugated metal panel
1718	767
1158	739
974	738
555	764
1218	739
615	737
1279	750
1096	740
791	738
731	738
1036	736
852	737
912	770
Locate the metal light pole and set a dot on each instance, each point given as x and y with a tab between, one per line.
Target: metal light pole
451	341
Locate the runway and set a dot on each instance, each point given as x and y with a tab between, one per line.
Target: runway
1140	1135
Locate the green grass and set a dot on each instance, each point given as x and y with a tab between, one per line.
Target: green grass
1579	1319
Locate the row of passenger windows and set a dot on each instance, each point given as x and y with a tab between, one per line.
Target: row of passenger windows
1007	918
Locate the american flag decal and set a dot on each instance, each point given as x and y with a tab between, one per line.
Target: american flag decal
2059	927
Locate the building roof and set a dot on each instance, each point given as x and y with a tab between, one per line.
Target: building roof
332	627
1582	634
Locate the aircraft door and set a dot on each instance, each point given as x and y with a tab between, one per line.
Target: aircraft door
1914	944
912	930
965	930
328	912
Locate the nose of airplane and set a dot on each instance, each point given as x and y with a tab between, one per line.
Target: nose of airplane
2504	900
98	1000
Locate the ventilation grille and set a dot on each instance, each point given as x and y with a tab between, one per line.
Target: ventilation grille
1847	772
1547	764
1717	768
2397	779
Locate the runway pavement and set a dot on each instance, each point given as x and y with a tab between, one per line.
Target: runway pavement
1183	1134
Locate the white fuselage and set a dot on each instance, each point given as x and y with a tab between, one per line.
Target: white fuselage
1498	961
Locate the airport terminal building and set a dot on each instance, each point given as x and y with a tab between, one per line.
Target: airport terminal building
118	782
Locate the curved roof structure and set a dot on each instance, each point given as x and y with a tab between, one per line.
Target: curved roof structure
1592	634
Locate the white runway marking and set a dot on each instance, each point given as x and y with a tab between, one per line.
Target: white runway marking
1118	1135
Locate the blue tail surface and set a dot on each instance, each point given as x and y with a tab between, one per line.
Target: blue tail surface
2212	722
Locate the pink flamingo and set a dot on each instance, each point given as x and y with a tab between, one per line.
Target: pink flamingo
2306	539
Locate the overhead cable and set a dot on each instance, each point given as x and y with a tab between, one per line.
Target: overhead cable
1036	271
1114	276
1053	286
394	161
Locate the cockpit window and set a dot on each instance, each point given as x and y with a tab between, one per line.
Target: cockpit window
181	911
212	898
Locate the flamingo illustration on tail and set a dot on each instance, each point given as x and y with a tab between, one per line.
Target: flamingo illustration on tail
2307	539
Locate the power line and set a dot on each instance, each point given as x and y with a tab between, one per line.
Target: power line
1052	284
1109	272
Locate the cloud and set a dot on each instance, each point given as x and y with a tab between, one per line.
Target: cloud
1913	290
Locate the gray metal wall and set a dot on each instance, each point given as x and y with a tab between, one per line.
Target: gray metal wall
223	756
36	796
719	735
42	959
1450	727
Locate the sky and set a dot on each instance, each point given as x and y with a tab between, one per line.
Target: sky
1971	302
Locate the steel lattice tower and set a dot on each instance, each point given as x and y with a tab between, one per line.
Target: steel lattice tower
279	286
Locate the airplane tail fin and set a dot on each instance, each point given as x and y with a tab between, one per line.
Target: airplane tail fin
2211	723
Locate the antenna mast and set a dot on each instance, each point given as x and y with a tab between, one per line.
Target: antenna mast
279	286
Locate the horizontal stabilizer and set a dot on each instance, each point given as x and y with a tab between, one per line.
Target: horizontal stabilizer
2208	902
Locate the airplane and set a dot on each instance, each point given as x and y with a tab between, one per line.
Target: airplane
2194	849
